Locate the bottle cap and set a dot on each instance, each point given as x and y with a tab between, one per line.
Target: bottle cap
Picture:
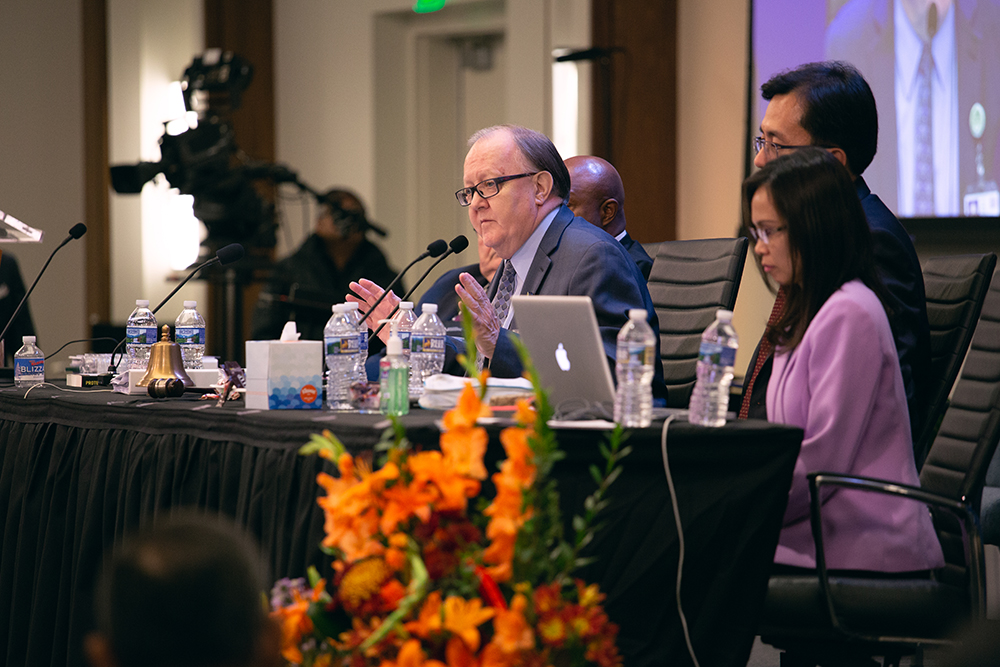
27	339
190	304
352	305
724	315
637	314
406	305
430	308
142	303
340	308
394	348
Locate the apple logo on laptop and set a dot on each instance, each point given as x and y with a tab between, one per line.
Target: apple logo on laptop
562	358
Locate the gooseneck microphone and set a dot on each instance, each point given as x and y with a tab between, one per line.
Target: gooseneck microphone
457	245
224	255
434	249
75	232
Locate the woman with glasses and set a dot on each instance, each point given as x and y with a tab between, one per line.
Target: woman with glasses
836	373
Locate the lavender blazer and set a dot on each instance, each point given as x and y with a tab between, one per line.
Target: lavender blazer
842	385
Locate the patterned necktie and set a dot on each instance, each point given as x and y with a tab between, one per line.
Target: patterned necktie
501	300
763	352
923	170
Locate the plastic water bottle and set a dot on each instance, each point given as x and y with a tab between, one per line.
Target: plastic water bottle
140	334
189	333
354	311
29	364
634	371
407	318
340	344
426	347
394	375
710	398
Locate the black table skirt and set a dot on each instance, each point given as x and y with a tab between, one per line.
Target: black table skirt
79	471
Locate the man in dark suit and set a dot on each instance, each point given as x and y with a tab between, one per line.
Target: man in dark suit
516	186
597	195
829	104
884	40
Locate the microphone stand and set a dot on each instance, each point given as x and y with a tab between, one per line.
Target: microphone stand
75	233
406	297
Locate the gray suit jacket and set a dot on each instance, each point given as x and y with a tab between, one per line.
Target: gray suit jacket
576	258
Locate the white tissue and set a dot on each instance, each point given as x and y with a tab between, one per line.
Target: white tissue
289	332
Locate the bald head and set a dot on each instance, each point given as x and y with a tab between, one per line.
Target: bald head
596	193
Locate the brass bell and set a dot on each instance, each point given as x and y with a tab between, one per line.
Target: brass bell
165	361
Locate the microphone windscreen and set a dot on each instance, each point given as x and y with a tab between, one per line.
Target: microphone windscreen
459	243
78	230
437	248
230	253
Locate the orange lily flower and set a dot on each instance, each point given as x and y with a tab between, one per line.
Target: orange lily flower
463	618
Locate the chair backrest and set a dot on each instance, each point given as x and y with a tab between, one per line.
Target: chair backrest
960	455
689	281
955	287
963	448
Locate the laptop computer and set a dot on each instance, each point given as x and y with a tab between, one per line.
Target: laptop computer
565	344
562	336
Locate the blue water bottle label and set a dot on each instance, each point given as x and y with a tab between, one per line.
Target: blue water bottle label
189	335
639	354
429	344
29	368
337	345
404	337
716	354
363	340
141	335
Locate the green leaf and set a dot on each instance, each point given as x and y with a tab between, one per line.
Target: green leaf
596	474
613	475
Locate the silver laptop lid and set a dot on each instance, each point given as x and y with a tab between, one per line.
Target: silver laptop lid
565	344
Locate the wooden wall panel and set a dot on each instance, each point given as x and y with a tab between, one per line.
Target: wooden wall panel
635	108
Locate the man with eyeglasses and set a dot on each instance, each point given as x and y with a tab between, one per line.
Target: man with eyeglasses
829	104
516	187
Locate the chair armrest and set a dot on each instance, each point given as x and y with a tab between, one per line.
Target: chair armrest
970	523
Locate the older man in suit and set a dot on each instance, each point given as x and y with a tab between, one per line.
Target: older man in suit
515	187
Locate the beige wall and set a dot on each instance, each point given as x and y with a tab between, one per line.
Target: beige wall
41	157
711	127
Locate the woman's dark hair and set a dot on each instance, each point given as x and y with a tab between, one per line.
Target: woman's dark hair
828	235
538	150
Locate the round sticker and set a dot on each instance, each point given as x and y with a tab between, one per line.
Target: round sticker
308	394
977	120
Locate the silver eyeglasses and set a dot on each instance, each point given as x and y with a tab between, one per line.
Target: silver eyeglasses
761	234
771	148
486	189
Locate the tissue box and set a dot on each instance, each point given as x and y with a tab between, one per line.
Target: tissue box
284	375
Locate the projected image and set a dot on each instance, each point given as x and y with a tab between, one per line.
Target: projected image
934	67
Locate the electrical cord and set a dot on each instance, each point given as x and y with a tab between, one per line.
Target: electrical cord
65	389
680	538
82	340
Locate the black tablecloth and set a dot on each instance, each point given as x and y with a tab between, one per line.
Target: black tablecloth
78	471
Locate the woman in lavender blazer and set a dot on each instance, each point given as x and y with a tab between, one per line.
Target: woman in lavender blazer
836	372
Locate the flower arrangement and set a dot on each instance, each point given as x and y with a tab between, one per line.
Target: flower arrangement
427	572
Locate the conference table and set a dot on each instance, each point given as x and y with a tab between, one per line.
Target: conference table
79	470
